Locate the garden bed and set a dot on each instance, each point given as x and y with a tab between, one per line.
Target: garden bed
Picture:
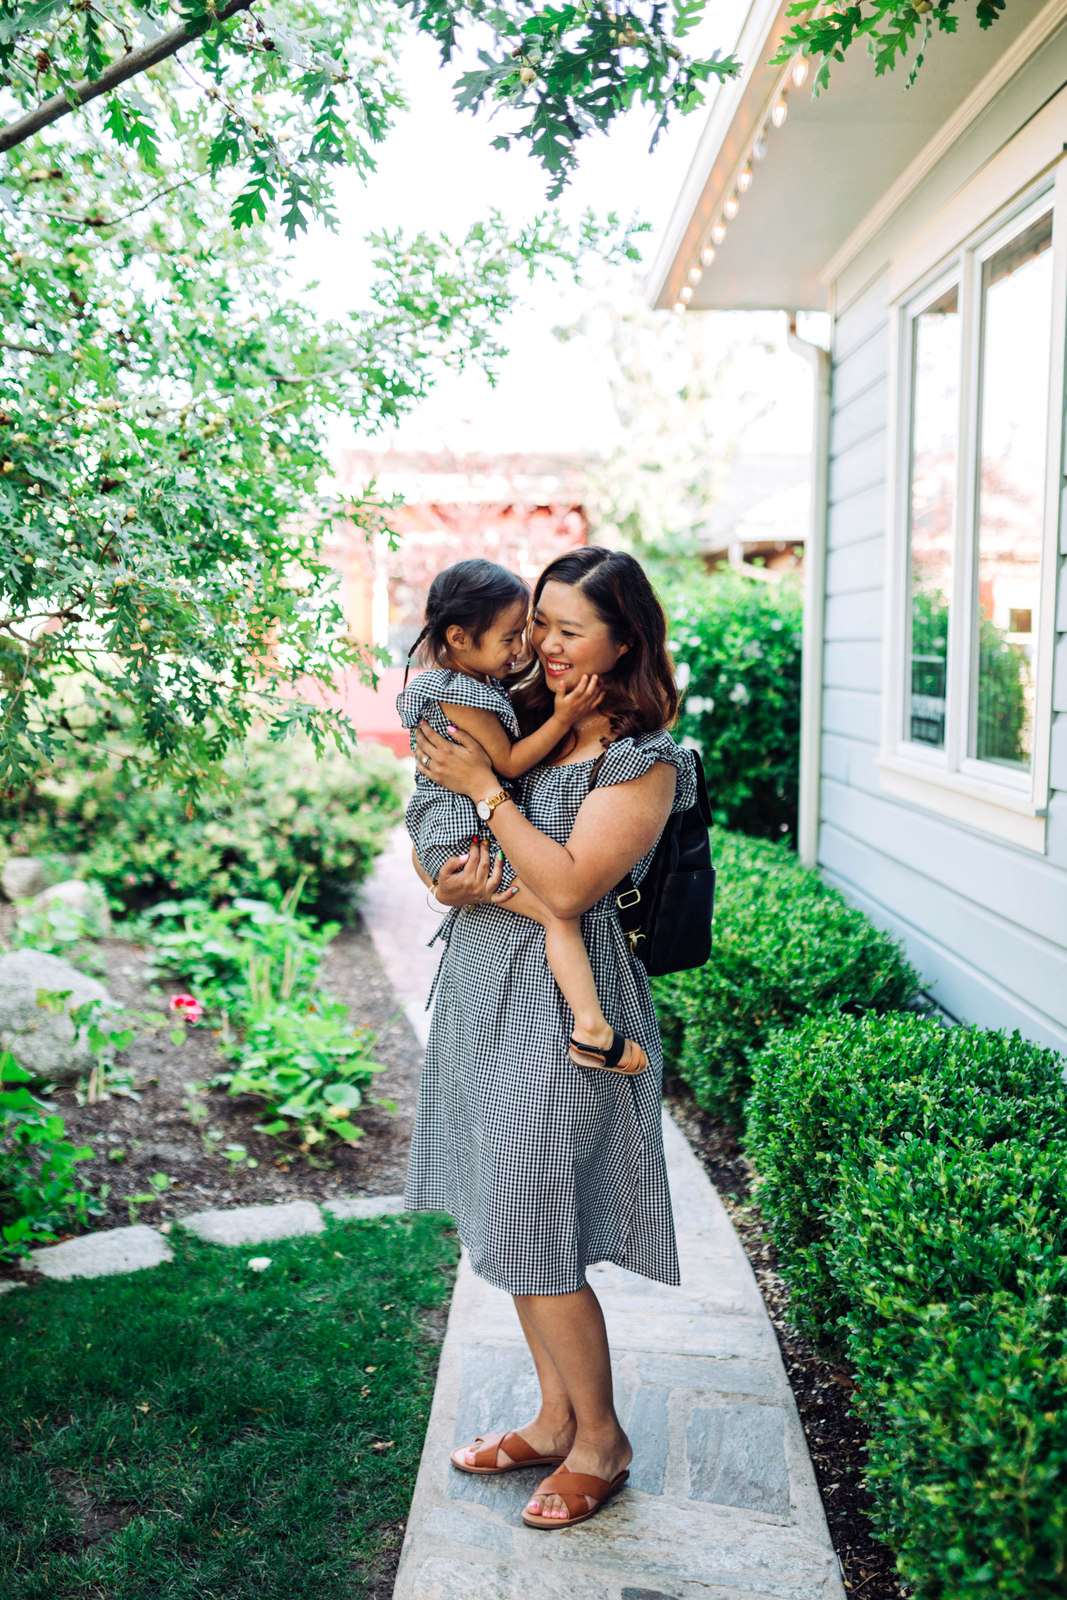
156	1135
822	1390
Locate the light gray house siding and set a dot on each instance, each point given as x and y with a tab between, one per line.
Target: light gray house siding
985	921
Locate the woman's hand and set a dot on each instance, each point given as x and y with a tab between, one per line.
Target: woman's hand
474	879
462	766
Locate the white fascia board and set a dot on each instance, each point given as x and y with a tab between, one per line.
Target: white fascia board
757	42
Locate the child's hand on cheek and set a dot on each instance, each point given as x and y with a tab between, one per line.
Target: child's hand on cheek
572	705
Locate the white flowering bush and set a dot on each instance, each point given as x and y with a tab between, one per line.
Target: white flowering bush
736	642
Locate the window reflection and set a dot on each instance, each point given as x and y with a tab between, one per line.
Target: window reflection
1016	321
934	445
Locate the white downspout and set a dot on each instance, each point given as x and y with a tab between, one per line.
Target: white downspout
814	602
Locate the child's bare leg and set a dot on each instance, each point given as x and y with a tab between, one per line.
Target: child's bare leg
568	961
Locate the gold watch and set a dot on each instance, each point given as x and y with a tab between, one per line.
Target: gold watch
485	808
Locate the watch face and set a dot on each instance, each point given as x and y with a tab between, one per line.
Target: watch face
484	810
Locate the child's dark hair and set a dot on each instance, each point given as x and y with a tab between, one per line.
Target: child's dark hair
470	595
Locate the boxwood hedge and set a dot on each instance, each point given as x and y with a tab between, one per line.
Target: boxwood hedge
915	1178
786	945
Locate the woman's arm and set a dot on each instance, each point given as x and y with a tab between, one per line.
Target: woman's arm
615	826
512	760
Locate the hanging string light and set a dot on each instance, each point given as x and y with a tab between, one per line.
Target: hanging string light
796	76
679	308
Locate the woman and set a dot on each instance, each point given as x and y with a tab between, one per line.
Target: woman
548	1167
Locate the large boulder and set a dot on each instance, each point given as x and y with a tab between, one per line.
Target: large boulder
41	1042
22	877
87	899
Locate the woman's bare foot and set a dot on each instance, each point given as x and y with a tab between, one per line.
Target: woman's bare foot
604	1458
545	1438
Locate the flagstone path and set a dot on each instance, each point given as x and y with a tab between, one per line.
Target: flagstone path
721	1503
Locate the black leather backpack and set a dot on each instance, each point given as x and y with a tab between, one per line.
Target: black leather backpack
667	919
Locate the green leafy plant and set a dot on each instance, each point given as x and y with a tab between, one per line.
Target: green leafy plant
61	930
279	817
158	1184
39	1194
737	644
256	969
785	945
107	1033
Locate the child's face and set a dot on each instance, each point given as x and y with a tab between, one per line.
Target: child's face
501	645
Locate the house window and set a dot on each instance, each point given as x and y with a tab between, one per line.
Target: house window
1016	328
977	355
935	380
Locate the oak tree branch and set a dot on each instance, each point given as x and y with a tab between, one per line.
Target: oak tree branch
79	94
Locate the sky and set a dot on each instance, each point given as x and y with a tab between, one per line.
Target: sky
438	172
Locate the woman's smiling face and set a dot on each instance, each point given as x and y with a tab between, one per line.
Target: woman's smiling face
570	637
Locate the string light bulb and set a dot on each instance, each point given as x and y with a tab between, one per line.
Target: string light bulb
744	179
731	207
707	255
718	233
759	149
695	274
799	73
779	111
686	292
679	308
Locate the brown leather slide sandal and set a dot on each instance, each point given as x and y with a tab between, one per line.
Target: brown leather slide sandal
573	1488
622	1055
513	1444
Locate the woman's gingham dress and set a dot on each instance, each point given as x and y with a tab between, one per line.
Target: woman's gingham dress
442	824
545	1166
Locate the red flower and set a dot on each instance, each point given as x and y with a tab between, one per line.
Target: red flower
189	1008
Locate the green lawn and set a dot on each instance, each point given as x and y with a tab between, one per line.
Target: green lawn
205	1432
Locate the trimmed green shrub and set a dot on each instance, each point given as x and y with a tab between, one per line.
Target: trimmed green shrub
967	1461
737	643
786	944
833	1095
915	1178
281	816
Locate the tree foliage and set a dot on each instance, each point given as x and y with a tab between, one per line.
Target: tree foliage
889	28
161	455
288	93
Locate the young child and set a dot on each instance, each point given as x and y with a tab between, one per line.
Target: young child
476	615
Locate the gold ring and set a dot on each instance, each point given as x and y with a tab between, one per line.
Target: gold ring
426	761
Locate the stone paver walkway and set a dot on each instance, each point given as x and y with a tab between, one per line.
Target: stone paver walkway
722	1501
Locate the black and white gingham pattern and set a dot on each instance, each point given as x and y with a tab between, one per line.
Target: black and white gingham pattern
545	1166
441	824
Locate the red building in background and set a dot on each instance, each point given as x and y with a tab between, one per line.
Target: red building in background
518	510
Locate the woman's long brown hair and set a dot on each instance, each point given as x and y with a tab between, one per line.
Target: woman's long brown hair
640	694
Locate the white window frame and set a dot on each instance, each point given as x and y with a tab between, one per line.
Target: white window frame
995	800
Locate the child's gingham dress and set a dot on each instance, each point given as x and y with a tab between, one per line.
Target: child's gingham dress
442	824
545	1166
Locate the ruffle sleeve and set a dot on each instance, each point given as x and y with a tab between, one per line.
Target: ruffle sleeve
632	758
426	692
